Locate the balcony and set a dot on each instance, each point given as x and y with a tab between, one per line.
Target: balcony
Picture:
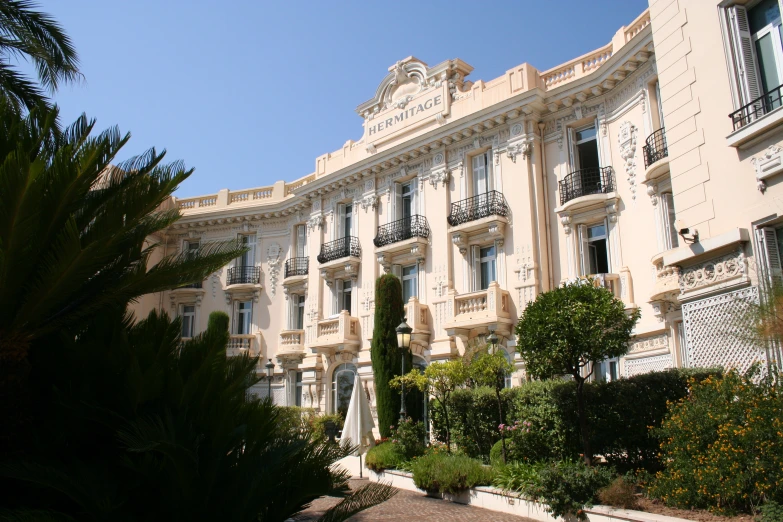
402	241
586	182
417	316
479	311
757	120
187	295
656	155
290	347
240	344
340	257
336	334
490	203
243	275
296	270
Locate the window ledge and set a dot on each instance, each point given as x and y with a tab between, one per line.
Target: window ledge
757	131
657	169
586	201
691	253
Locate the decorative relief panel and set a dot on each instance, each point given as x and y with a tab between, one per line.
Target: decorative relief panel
627	141
654	342
715	271
273	262
769	163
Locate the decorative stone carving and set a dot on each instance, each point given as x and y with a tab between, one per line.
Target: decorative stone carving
769	163
652	191
516	129
370	201
439	176
654	342
525	148
316	221
714	271
627	140
438	158
566	222
273	262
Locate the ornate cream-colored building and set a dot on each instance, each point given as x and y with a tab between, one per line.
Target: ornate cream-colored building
622	163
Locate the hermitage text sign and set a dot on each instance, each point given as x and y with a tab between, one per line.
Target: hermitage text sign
417	110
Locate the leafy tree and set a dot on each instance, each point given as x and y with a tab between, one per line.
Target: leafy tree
566	329
33	36
386	356
440	379
490	369
137	425
77	237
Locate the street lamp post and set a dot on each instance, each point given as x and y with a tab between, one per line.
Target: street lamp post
403	343
270	371
493	341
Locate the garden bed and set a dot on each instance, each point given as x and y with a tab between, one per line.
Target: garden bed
495	499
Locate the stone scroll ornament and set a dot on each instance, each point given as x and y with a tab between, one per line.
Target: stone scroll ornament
627	142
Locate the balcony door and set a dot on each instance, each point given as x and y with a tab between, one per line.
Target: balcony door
404	203
484	266
243	315
594	249
248	258
482	173
765	27
296	312
343	290
345	220
584	148
188	320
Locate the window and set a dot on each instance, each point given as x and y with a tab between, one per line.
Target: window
342	387
410	287
482	173
190	247
296	314
671	239
298	389
342	294
300	240
755	37
188	320
344	220
607	370
584	148
249	257
484	266
243	317
594	252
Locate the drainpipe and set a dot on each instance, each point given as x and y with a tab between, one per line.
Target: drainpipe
541	126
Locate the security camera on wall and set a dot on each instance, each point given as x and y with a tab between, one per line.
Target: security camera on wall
688	235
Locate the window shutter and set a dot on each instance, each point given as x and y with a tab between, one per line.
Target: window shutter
249	326
479	175
301	241
235	317
251	254
670	233
476	267
414	196
490	171
770	255
609	247
397	271
583	250
396	212
571	149
338	296
744	54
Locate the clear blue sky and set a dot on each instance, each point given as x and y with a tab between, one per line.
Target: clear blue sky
251	92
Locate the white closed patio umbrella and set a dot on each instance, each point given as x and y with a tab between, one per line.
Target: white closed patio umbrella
358	422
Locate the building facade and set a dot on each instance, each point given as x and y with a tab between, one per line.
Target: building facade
623	164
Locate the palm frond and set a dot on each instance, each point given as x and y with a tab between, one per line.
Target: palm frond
363	498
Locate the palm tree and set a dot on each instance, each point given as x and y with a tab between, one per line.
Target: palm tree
75	237
30	35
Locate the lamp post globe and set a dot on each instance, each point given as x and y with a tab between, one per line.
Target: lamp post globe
403	343
493	341
270	371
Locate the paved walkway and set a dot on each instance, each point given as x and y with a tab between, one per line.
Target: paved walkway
407	505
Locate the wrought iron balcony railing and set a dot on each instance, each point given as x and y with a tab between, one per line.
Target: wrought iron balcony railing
595	180
402	229
238	275
490	203
762	105
347	246
296	266
655	147
192	285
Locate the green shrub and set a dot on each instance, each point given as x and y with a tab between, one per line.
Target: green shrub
568	486
385	456
449	473
317	422
723	446
218	321
771	512
521	477
409	437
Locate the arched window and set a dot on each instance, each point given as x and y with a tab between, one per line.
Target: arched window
343	378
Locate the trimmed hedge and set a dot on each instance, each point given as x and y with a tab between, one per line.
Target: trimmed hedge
385	456
446	473
620	412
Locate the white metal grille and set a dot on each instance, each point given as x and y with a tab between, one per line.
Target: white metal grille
278	393
656	363
716	331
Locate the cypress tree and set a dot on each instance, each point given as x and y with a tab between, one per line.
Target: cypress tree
386	358
218	321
